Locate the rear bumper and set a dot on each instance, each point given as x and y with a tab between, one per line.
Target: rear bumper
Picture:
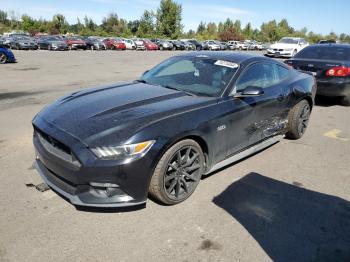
333	87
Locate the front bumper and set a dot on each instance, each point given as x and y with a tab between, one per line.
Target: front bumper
60	48
333	87
89	181
78	46
279	53
85	195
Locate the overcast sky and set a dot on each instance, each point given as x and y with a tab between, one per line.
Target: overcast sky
318	16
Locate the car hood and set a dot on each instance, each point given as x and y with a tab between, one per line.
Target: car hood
283	46
118	110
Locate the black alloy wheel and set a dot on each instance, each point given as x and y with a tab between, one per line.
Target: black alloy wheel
298	120
178	173
304	119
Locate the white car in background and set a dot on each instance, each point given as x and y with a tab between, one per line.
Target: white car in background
239	45
130	45
287	47
211	45
139	44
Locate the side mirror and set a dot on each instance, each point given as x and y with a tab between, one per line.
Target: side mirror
250	91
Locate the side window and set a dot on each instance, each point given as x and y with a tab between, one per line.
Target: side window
283	73
260	75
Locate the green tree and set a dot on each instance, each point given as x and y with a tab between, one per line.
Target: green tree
58	25
168	19
146	26
248	31
201	28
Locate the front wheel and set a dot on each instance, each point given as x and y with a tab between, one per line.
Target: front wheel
3	58
177	173
298	120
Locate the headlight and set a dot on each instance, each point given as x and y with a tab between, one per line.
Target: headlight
124	151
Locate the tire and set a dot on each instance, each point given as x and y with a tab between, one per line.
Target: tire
240	48
345	101
294	53
49	47
298	120
198	48
169	184
3	58
92	48
161	48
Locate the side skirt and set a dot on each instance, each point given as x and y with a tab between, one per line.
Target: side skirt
245	153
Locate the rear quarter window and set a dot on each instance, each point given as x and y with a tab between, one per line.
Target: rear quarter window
283	73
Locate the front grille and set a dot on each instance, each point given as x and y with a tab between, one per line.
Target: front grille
278	49
55	147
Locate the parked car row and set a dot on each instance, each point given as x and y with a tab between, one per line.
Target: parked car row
51	42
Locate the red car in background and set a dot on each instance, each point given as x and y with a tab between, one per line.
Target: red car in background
114	44
75	43
149	45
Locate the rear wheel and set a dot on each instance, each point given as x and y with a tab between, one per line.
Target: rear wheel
177	173
298	120
345	101
3	58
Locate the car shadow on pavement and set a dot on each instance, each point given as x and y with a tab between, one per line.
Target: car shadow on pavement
327	101
290	223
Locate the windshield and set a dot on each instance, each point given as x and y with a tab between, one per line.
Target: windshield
288	41
325	53
195	75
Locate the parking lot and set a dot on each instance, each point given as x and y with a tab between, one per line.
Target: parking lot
287	203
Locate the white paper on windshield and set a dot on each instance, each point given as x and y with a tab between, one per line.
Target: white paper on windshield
226	64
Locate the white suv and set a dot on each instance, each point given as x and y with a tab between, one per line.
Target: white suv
239	45
287	47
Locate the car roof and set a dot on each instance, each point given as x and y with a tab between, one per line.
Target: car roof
227	56
335	45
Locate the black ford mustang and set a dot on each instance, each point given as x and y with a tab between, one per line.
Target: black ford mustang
188	116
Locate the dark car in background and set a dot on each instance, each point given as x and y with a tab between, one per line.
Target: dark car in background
198	45
75	43
23	43
6	56
95	43
330	64
189	116
178	45
188	45
52	43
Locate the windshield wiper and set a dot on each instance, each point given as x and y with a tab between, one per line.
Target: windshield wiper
141	81
177	89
